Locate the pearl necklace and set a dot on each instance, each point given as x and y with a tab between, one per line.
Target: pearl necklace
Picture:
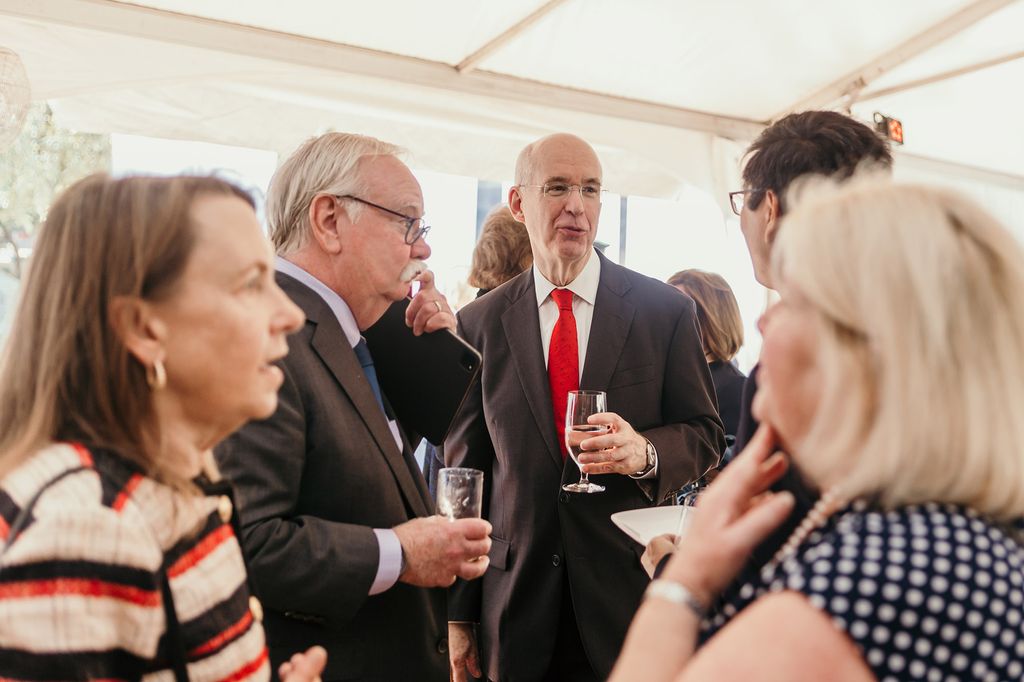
830	502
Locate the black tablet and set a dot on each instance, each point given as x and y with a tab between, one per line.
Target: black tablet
426	377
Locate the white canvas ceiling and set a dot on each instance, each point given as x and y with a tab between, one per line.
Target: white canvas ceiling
669	91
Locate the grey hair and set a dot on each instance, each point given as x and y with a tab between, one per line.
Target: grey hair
326	164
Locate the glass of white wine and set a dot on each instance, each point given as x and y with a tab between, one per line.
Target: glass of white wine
581	405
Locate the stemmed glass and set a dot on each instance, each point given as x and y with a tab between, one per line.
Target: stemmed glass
581	405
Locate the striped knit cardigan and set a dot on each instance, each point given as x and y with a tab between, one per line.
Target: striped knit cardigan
80	586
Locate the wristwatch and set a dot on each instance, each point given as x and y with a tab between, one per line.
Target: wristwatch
652	459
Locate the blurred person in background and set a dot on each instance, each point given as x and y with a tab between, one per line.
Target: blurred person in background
891	372
147	331
721	334
501	252
336	516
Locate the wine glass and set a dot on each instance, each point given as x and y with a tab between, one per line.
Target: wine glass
459	493
581	405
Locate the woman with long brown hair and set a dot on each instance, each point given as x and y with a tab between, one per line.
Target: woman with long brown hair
147	331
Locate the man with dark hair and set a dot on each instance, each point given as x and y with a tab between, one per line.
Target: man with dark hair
811	142
823	143
808	143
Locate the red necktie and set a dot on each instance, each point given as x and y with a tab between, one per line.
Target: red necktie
563	361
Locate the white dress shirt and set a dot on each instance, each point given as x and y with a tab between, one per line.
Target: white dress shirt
584	288
390	564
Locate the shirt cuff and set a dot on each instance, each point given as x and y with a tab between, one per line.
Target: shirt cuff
390	565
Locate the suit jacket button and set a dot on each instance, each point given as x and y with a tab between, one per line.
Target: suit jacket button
442	645
224	508
555	560
256	609
563	497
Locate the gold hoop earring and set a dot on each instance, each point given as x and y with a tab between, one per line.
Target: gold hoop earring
156	375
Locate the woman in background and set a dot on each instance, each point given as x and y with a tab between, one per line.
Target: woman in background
892	373
147	331
501	252
721	334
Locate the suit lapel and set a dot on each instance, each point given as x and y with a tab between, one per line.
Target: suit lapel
522	331
609	328
330	343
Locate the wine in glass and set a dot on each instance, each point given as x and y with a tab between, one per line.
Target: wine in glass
581	405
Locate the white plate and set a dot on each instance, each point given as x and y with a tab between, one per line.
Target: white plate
644	524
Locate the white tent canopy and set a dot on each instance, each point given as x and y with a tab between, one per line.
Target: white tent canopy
669	92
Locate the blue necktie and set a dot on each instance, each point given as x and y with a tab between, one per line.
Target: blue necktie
366	360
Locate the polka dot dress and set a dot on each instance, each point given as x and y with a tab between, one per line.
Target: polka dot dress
931	592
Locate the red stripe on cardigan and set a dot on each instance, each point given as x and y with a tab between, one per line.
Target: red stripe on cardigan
122	497
202	549
224	637
84	456
249	668
28	589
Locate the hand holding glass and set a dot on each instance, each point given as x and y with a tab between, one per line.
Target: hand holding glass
459	493
581	405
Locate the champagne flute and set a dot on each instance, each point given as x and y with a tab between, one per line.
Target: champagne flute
581	405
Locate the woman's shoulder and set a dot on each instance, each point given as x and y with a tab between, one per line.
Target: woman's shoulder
916	546
60	504
726	371
69	499
935	584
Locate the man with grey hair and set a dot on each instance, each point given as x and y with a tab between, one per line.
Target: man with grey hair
564	581
336	517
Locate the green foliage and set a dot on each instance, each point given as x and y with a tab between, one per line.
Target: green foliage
43	161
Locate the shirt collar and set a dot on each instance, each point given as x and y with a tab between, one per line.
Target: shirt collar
335	302
584	286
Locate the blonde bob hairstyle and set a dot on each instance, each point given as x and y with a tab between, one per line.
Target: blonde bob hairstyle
919	298
65	374
327	164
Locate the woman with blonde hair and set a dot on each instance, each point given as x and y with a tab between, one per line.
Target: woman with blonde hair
147	331
721	334
892	372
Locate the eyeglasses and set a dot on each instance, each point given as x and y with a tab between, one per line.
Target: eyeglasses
415	228
554	190
739	198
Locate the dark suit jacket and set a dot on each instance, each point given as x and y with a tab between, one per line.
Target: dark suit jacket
645	351
804	495
313	481
728	383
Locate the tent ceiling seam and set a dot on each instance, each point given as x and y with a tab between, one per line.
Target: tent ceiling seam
939	77
224	37
851	83
504	37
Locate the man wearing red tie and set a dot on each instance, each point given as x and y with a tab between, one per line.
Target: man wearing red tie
563	582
